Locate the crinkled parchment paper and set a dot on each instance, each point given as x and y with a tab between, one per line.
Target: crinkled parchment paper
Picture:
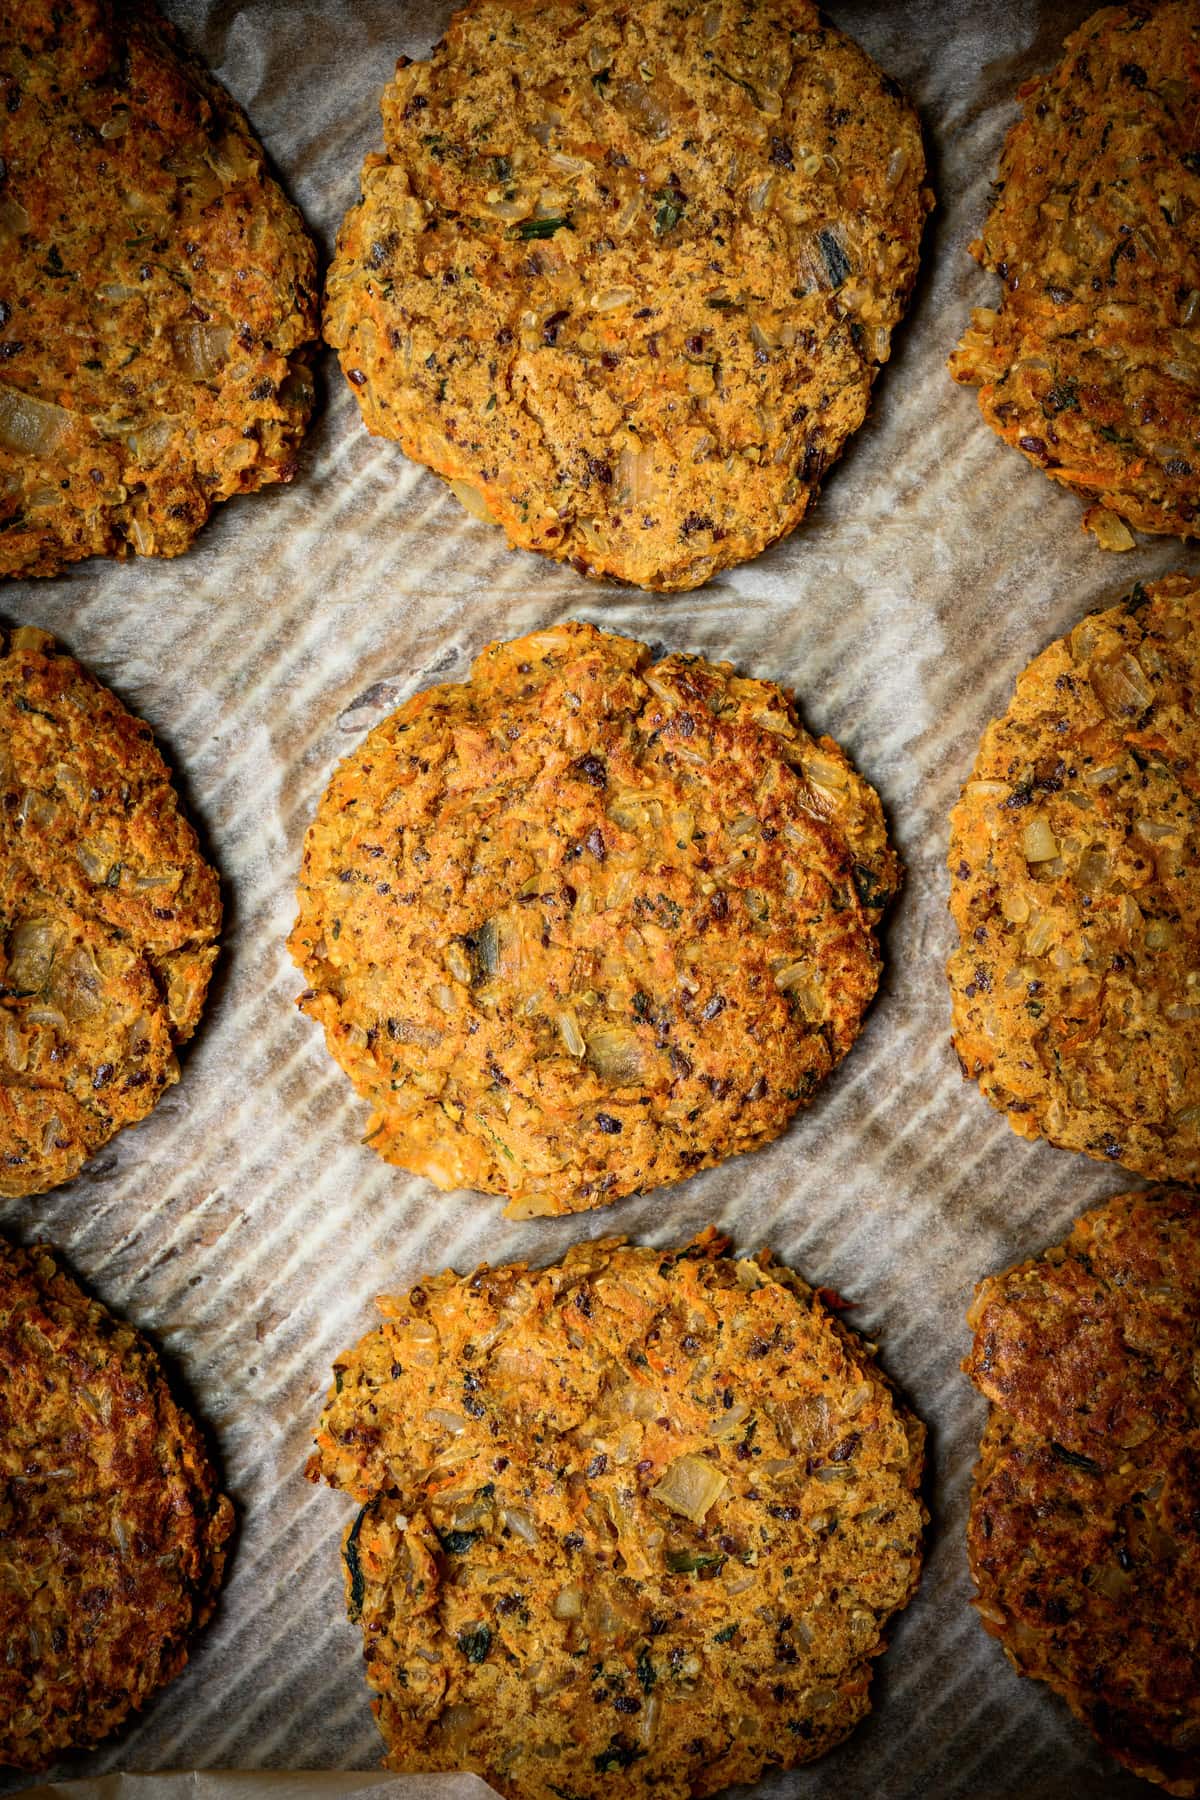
244	1222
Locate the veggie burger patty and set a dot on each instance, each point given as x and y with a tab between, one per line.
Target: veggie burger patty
1088	366
1084	1534
1075	888
587	922
108	917
112	1529
644	1513
625	276
157	291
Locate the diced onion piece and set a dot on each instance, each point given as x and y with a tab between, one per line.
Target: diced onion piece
612	298
689	1486
471	498
1040	843
31	950
616	1056
1094	869
201	349
519	1521
729	1420
572	1037
568	1604
30	427
1121	687
448	1421
1109	531
29	637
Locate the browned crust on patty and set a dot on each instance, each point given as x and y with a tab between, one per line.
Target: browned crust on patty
587	922
640	1517
625	278
1089	366
109	917
1084	1535
157	291
112	1529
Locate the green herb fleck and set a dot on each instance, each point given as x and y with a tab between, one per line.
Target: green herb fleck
726	1635
1137	599
1063	397
502	168
475	1644
868	886
672	204
113	878
645	1670
457	1543
694	1562
542	228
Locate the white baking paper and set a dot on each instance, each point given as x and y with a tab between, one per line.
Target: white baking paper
246	1225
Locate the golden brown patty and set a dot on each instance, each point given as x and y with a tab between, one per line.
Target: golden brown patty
625	277
108	917
1075	886
157	292
1090	366
644	1515
112	1531
586	922
1084	1535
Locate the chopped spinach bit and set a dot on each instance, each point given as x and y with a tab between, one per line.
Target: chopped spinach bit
350	1554
645	1670
476	1644
725	1635
868	886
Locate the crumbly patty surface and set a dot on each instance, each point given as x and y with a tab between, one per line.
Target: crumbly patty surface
643	1514
112	1529
1075	888
108	917
587	922
625	277
1084	1533
1090	364
157	291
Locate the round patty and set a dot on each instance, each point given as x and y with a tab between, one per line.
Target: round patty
112	1530
157	292
1090	365
1075	886
587	922
644	1513
108	917
625	278
1084	1534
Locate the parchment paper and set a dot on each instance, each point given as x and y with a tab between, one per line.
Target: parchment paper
244	1222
